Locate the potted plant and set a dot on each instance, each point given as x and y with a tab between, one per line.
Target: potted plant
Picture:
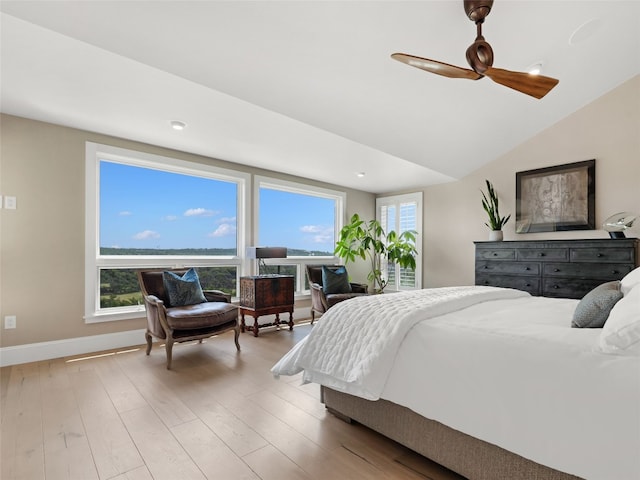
368	241
490	205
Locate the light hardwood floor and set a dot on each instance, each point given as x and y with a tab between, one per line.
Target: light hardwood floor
217	414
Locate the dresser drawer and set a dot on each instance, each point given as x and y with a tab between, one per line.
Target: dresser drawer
496	254
604	271
544	254
518	268
612	255
568	287
528	284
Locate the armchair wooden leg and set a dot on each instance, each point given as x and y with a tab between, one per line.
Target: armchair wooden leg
236	332
313	316
147	335
169	348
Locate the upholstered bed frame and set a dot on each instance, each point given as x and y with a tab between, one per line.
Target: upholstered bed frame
465	455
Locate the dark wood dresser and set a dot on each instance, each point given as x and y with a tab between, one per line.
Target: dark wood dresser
555	268
266	295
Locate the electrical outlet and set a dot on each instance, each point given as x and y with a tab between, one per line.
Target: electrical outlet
10	321
10	203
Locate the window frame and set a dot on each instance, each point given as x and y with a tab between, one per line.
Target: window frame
94	261
340	198
397	200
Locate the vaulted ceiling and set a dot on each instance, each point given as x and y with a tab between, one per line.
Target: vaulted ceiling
308	87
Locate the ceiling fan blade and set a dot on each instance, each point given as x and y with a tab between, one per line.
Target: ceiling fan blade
535	85
433	66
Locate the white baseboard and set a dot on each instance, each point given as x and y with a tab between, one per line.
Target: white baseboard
34	352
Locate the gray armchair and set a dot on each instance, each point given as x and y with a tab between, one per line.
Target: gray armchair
321	301
184	323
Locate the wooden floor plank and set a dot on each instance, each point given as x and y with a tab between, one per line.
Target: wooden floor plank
162	453
270	464
213	457
113	450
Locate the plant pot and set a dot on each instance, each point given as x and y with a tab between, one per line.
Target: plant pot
495	236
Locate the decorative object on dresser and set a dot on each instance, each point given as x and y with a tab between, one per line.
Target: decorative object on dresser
368	240
555	268
617	223
556	198
491	206
266	295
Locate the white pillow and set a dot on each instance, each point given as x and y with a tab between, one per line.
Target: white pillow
621	332
630	280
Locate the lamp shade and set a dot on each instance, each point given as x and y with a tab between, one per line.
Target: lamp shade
266	252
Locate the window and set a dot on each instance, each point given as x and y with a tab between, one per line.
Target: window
150	211
401	213
303	218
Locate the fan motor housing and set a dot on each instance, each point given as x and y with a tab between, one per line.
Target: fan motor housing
477	10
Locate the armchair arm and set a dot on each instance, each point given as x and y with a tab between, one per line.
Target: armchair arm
318	299
359	288
216	296
156	316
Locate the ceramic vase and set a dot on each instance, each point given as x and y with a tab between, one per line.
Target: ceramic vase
495	235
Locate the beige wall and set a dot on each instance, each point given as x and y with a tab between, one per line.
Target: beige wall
607	129
42	242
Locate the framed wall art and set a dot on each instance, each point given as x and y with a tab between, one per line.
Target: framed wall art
556	198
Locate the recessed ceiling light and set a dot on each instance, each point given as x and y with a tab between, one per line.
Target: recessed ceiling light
360	174
178	125
585	31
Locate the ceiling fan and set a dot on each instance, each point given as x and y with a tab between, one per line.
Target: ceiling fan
480	58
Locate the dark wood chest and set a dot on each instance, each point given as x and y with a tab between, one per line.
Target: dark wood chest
266	295
555	268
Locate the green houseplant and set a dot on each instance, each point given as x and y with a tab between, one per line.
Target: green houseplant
367	240
491	206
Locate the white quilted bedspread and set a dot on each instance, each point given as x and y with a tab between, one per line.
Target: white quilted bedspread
353	347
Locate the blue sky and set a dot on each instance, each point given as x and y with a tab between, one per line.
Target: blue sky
145	208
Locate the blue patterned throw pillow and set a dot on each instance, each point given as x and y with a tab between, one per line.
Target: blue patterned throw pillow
335	280
183	290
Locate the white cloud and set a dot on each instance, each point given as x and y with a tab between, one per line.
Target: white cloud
199	212
170	218
320	233
227	220
311	228
125	213
224	230
146	234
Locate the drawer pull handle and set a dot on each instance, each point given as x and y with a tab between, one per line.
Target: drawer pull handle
528	285
541	254
485	267
527	268
615	272
556	287
556	269
495	254
599	255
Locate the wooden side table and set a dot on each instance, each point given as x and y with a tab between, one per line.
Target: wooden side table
266	295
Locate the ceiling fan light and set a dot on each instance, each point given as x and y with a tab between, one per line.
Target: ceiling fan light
535	69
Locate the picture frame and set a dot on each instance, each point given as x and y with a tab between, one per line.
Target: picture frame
558	198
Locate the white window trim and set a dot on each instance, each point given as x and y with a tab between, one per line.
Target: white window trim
94	153
304	189
397	200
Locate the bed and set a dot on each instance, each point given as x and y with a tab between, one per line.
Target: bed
490	382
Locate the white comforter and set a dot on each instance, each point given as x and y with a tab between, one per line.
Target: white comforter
510	372
353	348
